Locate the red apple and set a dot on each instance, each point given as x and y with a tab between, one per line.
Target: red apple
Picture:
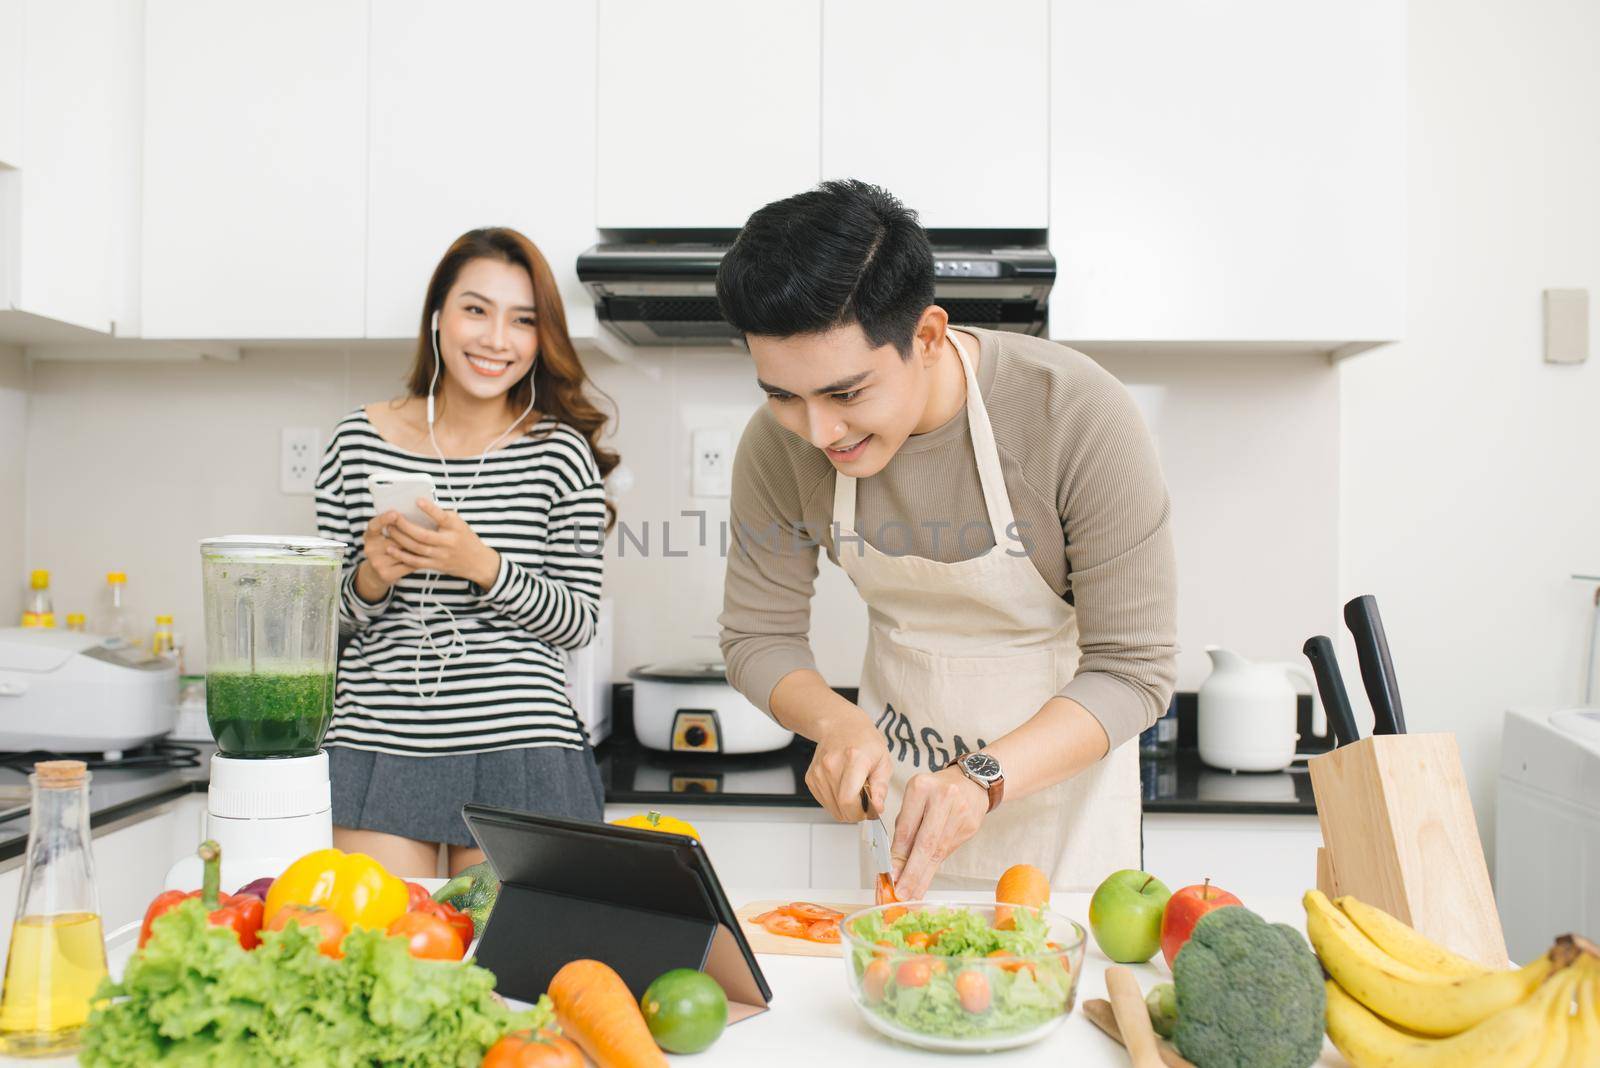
1184	910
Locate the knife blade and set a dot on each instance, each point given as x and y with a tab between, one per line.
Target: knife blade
1377	666
877	834
1330	684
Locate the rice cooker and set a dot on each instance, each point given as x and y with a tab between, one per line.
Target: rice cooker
690	708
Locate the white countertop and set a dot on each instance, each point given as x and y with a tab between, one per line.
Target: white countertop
813	1022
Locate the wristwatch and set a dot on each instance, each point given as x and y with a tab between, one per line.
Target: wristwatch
984	770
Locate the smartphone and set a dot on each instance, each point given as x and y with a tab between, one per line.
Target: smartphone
399	493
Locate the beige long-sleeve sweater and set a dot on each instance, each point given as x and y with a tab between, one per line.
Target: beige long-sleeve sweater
1090	503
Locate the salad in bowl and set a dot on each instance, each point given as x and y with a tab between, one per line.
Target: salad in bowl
962	976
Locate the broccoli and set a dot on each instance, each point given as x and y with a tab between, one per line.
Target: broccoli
1250	994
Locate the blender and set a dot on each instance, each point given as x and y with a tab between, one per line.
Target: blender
272	622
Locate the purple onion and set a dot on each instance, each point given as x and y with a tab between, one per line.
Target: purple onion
258	888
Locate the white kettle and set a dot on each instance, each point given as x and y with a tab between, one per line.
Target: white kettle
1247	718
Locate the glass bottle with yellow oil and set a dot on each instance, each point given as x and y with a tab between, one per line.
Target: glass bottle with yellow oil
58	951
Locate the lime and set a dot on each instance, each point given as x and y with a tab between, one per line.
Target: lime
686	1010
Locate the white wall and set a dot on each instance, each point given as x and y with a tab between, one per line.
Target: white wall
1471	476
13	437
131	463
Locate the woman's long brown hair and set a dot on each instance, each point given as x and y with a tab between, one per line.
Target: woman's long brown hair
558	377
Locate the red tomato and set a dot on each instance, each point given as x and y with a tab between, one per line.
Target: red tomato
787	926
892	914
1012	964
885	891
1183	911
317	921
875	980
428	937
459	921
919	939
972	987
809	913
914	972
416	895
522	1050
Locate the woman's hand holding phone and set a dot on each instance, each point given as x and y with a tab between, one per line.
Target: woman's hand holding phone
379	570
454	549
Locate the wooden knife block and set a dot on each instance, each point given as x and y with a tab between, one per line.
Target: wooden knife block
1398	832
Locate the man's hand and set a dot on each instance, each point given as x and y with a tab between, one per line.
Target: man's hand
940	811
851	753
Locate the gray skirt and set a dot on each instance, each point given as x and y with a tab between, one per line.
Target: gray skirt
421	796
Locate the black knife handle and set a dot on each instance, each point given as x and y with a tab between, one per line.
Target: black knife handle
1330	684
1377	666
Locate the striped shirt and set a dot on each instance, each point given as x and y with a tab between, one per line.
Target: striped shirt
498	669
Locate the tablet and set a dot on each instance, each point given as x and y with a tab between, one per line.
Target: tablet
643	902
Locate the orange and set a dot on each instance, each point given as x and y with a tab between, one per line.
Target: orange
1022	884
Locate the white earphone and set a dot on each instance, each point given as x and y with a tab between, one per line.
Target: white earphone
457	647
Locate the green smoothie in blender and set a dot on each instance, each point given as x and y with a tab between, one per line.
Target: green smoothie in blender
272	635
269	713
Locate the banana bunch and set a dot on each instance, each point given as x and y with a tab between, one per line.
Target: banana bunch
1397	1000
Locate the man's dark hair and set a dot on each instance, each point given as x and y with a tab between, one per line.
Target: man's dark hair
844	252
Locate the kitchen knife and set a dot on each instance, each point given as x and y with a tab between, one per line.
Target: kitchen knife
877	835
1330	684
1377	666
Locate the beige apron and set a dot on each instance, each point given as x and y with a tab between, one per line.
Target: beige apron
959	655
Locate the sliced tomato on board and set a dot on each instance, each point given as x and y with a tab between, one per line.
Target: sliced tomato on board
824	931
787	926
809	913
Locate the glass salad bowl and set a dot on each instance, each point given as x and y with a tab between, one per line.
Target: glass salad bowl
962	976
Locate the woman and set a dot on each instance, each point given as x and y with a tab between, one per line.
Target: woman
452	685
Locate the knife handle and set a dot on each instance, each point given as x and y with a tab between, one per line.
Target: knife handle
1377	666
1330	684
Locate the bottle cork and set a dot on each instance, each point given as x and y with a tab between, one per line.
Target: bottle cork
58	774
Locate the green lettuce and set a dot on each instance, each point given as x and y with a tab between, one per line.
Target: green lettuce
194	997
1019	1000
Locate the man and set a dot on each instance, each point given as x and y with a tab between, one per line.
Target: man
997	501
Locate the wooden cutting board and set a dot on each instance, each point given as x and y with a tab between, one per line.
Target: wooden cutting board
764	941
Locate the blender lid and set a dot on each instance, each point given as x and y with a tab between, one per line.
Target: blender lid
291	543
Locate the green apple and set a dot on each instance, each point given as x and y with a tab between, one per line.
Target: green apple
1125	915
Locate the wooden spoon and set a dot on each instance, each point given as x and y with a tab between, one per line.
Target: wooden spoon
1133	1018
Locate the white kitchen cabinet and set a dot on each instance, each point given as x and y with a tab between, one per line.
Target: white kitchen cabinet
255	168
835	855
1253	856
747	846
708	109
11	30
512	145
1229	171
65	107
942	102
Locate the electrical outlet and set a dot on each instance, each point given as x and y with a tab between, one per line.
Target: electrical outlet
711	467
297	462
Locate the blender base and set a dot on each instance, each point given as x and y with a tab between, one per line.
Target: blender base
265	814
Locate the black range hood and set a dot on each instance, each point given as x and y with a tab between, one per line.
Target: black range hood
663	292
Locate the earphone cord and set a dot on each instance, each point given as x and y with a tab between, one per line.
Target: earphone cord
457	646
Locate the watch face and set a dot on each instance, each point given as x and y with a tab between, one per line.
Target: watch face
982	765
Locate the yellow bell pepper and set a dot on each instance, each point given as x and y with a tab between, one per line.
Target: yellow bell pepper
655	821
352	886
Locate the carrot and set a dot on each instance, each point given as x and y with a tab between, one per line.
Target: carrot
597	1011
